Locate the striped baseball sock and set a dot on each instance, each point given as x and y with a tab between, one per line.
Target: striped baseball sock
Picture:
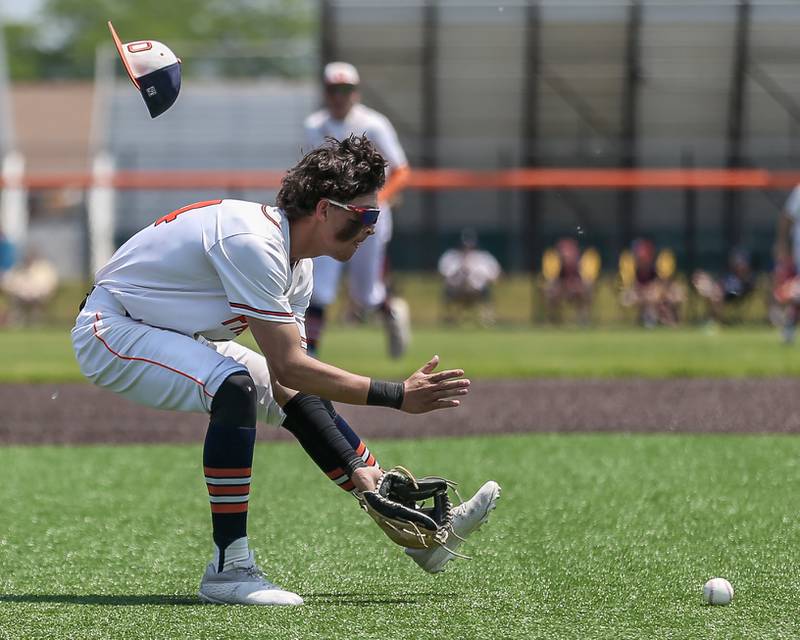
338	474
227	462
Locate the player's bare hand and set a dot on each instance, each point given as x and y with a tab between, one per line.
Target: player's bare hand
366	478
426	391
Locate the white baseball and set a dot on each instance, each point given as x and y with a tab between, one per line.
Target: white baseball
717	591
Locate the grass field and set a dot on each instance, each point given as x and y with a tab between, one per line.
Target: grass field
594	537
606	536
45	355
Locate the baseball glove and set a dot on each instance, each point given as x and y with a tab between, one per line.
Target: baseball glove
397	506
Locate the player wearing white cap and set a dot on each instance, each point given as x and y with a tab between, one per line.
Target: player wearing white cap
344	115
158	326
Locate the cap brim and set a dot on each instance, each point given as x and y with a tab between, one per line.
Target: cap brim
120	51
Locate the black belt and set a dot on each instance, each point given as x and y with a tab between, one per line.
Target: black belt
85	298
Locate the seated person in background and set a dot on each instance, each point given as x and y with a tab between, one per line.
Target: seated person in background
468	274
733	287
29	286
648	284
569	277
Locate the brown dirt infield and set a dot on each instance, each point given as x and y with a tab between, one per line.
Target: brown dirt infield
81	413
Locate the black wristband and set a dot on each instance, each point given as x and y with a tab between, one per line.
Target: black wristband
383	393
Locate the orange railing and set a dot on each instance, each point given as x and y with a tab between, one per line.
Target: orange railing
439	179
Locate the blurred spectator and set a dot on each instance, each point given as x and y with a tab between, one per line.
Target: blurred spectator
648	283
786	283
734	286
29	286
569	277
469	274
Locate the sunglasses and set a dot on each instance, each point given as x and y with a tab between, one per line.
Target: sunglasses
340	89
368	215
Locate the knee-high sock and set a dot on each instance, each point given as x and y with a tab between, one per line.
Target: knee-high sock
228	459
327	458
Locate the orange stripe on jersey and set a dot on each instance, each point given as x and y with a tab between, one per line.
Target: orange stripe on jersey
336	473
360	449
189	207
348	486
228	507
282	314
370	461
269	217
215	472
228	489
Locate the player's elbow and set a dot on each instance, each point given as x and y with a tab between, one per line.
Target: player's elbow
288	371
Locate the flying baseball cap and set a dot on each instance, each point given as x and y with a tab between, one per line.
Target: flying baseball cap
341	73
154	70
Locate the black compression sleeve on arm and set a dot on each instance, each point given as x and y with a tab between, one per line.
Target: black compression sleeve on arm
385	394
309	420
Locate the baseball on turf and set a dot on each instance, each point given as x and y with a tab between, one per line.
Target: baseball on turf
717	591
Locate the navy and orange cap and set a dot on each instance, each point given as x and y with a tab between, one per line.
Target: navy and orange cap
154	70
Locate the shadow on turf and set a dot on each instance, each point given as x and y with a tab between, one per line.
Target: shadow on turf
367	599
97	599
342	599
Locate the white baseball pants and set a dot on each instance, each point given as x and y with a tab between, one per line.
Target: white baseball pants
159	368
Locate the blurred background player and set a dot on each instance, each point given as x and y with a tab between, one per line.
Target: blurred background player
569	278
786	292
734	286
343	115
469	274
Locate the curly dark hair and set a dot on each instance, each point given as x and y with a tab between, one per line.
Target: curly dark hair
341	170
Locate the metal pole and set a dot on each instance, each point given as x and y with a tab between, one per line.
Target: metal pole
532	221
629	124
8	140
690	229
731	216
327	34
430	127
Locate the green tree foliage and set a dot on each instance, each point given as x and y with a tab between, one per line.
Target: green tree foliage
62	43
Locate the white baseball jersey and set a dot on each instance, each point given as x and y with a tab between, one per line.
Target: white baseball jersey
792	208
203	269
157	328
366	283
359	120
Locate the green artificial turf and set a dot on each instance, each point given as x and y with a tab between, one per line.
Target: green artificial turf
45	355
596	536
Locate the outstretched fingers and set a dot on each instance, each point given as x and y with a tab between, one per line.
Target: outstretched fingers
446	375
430	365
445	404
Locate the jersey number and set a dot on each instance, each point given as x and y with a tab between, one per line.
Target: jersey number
189	207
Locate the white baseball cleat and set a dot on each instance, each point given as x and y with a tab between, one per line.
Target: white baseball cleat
398	326
244	583
467	518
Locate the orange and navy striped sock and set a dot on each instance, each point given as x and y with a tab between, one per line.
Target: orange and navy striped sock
339	474
327	438
228	458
